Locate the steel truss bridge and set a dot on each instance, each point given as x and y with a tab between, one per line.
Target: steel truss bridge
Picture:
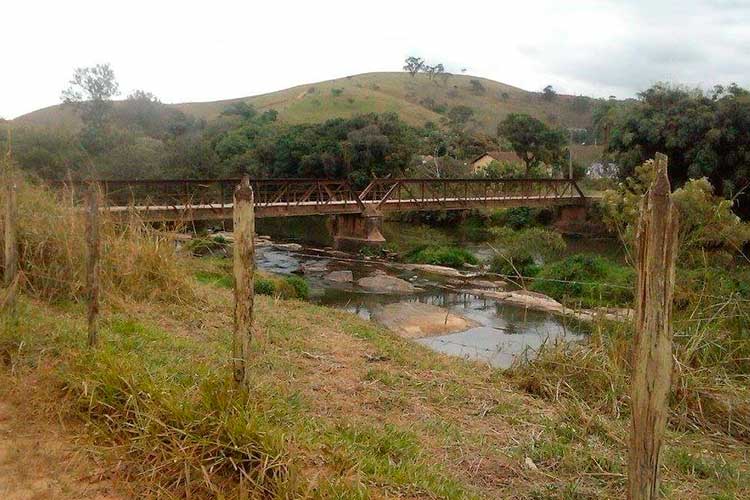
211	199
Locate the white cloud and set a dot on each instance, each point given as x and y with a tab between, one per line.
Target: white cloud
193	51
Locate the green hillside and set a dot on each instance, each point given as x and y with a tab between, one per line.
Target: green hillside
415	99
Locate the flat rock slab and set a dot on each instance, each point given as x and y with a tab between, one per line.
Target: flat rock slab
523	298
340	276
382	283
434	269
312	267
414	320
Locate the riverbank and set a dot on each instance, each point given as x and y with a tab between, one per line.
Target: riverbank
337	407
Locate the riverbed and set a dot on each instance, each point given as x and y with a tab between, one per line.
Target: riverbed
502	333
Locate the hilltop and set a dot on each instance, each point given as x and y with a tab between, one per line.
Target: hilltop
416	99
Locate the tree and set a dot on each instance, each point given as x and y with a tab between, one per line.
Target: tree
459	115
605	114
91	91
433	71
703	135
413	65
549	93
532	140
242	109
143	96
476	86
708	226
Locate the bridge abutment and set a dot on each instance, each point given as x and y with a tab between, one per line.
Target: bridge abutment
577	220
354	231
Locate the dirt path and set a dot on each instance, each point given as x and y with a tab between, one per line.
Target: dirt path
38	459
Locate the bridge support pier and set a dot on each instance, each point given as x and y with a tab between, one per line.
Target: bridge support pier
354	231
573	220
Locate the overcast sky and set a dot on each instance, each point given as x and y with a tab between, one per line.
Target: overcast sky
208	50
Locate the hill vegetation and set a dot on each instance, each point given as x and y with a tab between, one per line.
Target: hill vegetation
420	123
416	99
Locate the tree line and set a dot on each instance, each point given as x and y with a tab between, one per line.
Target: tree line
705	134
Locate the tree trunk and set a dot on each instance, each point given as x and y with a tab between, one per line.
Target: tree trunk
652	350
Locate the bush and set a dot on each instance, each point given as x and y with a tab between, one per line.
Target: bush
290	287
442	256
516	218
587	279
518	251
264	286
300	286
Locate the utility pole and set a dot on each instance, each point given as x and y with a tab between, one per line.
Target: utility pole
570	155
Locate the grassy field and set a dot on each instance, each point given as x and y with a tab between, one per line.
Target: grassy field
338	408
377	92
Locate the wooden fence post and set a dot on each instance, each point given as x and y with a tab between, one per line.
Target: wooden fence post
92	262
652	351
10	260
244	250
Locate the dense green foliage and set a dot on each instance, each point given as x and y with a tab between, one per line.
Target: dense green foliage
704	135
588	280
358	148
532	140
442	256
709	229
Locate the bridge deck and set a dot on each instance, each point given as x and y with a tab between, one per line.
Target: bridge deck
224	212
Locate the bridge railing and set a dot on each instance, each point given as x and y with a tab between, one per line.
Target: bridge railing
436	191
218	193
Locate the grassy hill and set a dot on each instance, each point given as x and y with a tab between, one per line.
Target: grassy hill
415	99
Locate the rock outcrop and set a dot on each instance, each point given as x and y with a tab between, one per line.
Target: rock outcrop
382	283
340	276
414	320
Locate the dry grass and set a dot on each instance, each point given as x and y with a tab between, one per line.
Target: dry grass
137	261
710	380
337	407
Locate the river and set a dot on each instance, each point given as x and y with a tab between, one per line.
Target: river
503	333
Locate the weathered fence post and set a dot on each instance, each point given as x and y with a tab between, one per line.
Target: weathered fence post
652	352
244	250
92	262
10	260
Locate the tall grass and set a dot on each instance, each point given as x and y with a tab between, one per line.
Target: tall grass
710	384
137	262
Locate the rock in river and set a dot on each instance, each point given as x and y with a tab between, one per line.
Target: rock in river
340	276
382	283
413	320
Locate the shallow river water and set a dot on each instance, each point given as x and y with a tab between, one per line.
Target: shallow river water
504	333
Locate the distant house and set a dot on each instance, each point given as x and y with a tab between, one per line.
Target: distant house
602	170
481	161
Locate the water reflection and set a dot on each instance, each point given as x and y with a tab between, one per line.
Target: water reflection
504	332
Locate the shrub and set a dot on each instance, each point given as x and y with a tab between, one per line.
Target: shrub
587	279
300	286
264	286
337	92
516	218
517	252
290	287
442	256
208	246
